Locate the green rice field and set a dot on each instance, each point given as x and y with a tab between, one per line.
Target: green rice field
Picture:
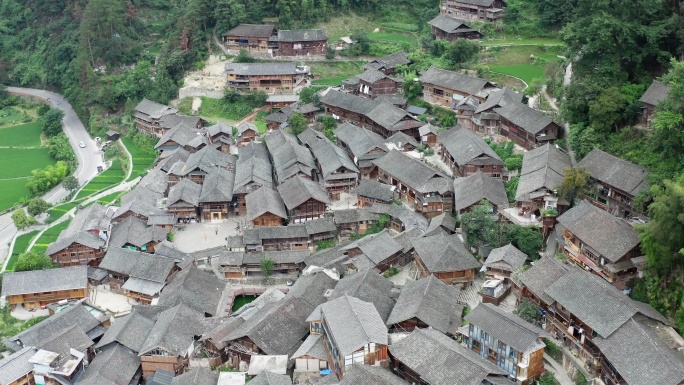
50	235
24	135
142	160
107	178
19	162
12	191
515	61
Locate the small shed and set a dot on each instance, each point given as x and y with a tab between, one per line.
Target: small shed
113	135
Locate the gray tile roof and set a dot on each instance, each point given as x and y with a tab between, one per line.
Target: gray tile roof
541	275
90	218
168	158
441	253
218	186
270	378
332	159
129	331
655	93
134	231
282	232
312	347
264	200
289	157
207	160
297	35
615	172
390	61
507	258
391	117
251	30
83	238
640	356
474	188
368	286
454	81
195	288
354	216
185	191
38	281
196	376
500	98
404	238
349	102
430	300
138	207
414	173
136	264
448	24
525	117
410	219
113	365
377	247
182	135
261	69
506	327
252	174
467	147
481	3
359	374
374	189
298	190
76	314
542	168
70	338
400	139
320	226
219	128
225	326
174	330
371	75
596	302
16	365
265	326
353	324
361	141
606	235
312	288
439	360
154	109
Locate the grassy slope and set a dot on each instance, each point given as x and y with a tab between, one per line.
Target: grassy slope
27	135
107	178
332	73
141	160
20	246
50	235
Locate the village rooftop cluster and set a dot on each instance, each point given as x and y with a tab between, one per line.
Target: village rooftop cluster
334	315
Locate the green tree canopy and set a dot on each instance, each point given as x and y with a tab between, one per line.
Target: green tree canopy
33	261
266	267
662	238
480	226
37	206
21	219
70	183
527	239
529	311
51	122
575	184
297	123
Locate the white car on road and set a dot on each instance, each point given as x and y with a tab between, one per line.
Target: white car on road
81	144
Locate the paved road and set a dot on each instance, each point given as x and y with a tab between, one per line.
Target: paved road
88	158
